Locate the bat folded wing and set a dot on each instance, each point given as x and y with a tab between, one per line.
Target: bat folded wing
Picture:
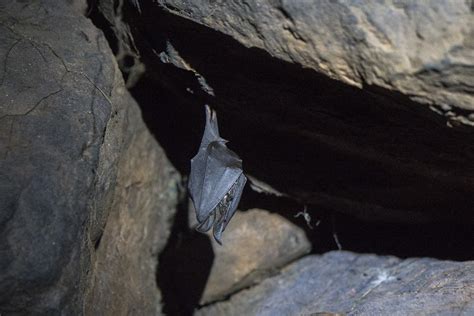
213	173
235	194
216	180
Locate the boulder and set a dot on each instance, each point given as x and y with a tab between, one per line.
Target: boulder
345	283
423	50
256	244
125	261
67	129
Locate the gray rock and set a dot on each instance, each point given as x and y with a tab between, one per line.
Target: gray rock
127	56
422	49
80	5
65	119
255	245
350	284
137	228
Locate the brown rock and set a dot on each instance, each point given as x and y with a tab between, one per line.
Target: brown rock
354	284
255	244
68	129
424	50
137	228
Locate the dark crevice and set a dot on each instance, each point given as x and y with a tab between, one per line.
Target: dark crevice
99	20
184	265
439	240
98	240
287	122
376	169
323	142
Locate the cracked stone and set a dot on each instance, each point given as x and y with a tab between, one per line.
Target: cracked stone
70	136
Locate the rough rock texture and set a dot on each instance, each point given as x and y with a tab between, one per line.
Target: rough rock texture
126	53
351	284
60	139
64	120
137	228
256	244
422	49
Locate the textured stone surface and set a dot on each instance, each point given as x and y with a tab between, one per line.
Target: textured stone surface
255	245
64	121
126	53
60	137
137	228
351	284
422	49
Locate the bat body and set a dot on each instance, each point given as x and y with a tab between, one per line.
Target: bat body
216	180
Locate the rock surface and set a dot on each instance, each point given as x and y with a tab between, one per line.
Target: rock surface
65	121
255	245
125	264
350	284
423	50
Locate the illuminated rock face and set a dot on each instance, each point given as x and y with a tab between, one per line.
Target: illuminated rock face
71	142
423	50
345	283
258	243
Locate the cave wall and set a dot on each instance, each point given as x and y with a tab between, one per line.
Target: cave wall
71	137
354	123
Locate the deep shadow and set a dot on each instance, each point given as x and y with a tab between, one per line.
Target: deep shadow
281	119
436	240
363	152
184	266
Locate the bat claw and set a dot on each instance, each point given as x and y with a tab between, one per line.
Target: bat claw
219	226
218	238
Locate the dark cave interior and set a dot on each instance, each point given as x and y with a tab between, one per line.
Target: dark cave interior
308	136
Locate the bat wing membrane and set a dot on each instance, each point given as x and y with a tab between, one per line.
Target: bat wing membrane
220	226
221	173
199	162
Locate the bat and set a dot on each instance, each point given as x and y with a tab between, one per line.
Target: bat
216	180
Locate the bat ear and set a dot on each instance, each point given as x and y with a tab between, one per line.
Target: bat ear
211	131
211	119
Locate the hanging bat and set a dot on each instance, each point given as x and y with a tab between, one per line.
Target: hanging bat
216	180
